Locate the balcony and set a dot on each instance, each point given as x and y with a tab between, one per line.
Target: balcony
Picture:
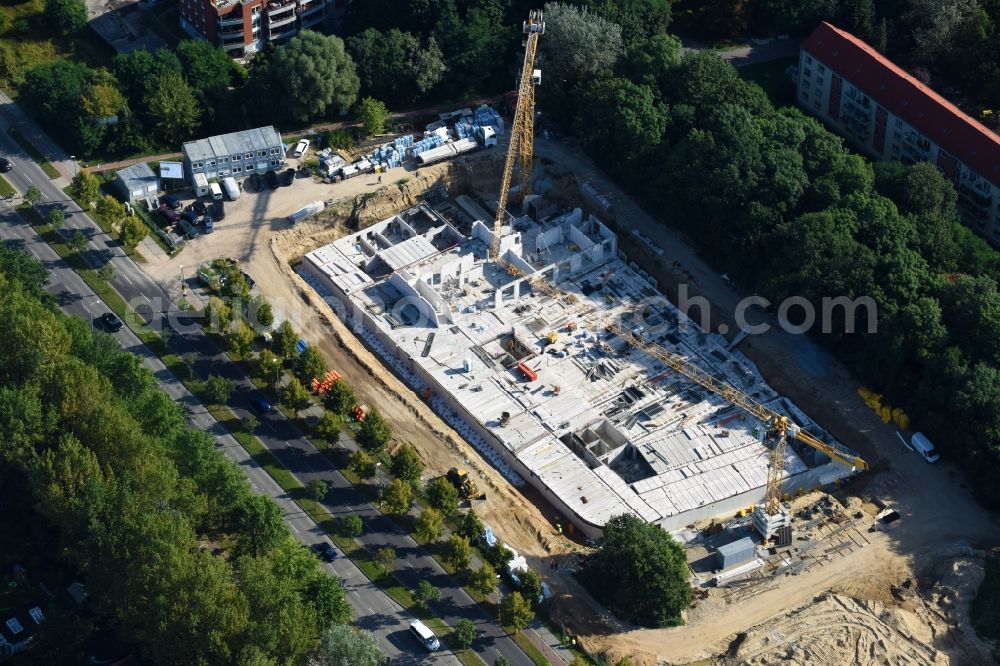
276	8
232	36
283	34
229	22
233	46
281	20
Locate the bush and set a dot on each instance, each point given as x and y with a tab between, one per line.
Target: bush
218	389
425	593
350	526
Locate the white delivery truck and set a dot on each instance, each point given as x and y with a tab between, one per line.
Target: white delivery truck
447	151
306	211
924	447
232	189
216	191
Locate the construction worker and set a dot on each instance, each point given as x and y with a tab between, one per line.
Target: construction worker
380	179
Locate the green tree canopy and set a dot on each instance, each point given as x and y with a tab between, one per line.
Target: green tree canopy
426	593
373	114
429	524
173	109
515	612
442	495
345	646
313	75
375	432
397	498
458	552
406	463
640	573
65	16
395	66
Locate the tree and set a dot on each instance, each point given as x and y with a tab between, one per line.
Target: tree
471	526
269	366
406	463
465	633
397	497
385	557
173	109
340	398
295	396
484	579
373	114
262	313
85	187
218	389
240	337
361	463
728	18
138	71
133	231
77	242
442	495
262	526
578	45
622	120
515	612
640	573
345	646
206	67
531	585
498	555
55	218
458	552
328	427
53	94
329	599
32	195
428	525
314	75
106	273
426	593
311	364
65	16
350	526
374	433
650	62
393	66
112	210
251	423
316	490
284	339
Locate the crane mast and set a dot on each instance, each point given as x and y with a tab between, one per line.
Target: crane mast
522	131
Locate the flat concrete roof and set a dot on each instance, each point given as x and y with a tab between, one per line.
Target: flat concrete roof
606	428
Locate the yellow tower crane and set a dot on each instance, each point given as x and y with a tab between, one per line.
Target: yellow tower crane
522	131
780	428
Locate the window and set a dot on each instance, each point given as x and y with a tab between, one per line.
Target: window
237	169
819	81
248	156
237	158
210	163
807	72
197	165
899	123
261	153
223	160
822	69
809	60
274	151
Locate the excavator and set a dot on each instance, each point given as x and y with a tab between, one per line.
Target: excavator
778	426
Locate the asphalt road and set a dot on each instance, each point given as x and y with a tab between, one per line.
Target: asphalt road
278	434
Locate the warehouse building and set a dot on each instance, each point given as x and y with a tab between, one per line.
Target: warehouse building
238	154
888	114
538	385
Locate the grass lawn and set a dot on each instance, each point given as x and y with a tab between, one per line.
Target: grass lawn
29	148
5	188
772	78
529	649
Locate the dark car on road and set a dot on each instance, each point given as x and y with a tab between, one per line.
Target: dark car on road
288	177
190	216
112	322
260	405
325	551
257	183
198	207
5	164
207	224
172	201
218	211
272	180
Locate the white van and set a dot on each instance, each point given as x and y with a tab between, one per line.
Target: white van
216	191
924	447
232	189
425	635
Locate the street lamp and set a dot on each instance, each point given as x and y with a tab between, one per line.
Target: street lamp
96	301
183	286
75	165
379	479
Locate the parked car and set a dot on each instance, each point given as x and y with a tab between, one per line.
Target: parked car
5	164
325	551
287	177
207	224
257	185
272	180
112	322
172	201
169	213
190	216
218	211
260	405
300	148
199	207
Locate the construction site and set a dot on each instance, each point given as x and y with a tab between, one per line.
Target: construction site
513	313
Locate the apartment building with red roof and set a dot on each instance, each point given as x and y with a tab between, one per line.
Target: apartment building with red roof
888	114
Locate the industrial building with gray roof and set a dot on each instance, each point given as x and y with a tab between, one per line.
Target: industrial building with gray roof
238	154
